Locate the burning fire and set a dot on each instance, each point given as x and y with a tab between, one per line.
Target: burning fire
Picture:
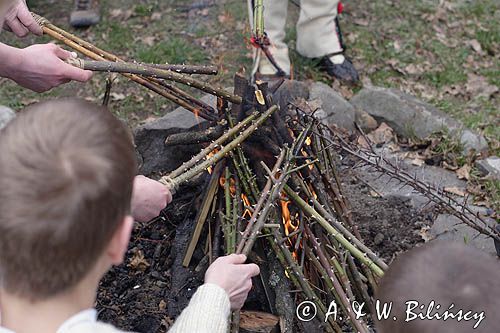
247	204
232	189
211	154
290	227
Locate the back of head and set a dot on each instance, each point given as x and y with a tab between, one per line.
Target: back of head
66	173
441	287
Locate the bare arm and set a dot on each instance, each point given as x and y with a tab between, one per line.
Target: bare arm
39	67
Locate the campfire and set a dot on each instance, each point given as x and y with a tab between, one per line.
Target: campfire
272	191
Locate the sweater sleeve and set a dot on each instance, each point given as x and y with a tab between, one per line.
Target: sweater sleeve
207	312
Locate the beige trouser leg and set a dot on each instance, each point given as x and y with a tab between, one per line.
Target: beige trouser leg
316	29
275	13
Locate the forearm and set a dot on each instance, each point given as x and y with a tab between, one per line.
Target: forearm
207	312
10	60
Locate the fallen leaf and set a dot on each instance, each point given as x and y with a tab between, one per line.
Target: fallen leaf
475	45
425	234
397	45
464	172
138	262
479	86
149	41
117	96
163	305
455	190
413	69
363	143
374	194
361	22
156	16
382	134
418	162
167	322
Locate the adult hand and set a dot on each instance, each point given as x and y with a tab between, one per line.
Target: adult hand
19	20
41	67
149	197
234	276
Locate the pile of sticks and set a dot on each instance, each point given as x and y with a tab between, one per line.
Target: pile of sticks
294	206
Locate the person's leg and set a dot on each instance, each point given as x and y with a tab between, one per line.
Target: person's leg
318	36
275	14
316	29
85	13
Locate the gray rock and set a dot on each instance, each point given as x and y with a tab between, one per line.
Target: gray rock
448	227
472	141
153	154
490	166
406	114
289	91
6	115
334	108
390	187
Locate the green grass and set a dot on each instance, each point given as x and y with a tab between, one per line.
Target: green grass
175	51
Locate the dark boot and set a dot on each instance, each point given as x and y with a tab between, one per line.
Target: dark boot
84	14
344	72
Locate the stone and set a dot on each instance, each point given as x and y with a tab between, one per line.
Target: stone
335	110
288	92
490	167
379	238
472	141
407	115
153	154
391	187
6	115
450	228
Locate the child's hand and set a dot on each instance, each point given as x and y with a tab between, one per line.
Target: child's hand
233	276
19	20
149	198
40	67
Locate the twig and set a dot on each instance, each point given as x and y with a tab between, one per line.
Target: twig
173	183
361	327
310	211
157	73
203	213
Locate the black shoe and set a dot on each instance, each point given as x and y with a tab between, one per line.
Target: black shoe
344	72
84	14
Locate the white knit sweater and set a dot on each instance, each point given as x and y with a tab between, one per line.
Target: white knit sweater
207	312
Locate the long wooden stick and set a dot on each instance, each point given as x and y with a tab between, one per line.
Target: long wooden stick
217	143
142	81
310	211
47	27
187	69
174	183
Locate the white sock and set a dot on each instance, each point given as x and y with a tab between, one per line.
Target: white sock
337	59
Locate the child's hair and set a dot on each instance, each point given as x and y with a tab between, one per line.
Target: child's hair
446	273
66	174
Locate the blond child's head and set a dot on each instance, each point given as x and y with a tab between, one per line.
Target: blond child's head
66	173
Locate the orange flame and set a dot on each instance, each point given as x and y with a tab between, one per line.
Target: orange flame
246	202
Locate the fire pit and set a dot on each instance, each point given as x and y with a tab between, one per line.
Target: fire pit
265	182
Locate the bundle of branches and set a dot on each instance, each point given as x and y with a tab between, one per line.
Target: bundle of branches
151	76
286	195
